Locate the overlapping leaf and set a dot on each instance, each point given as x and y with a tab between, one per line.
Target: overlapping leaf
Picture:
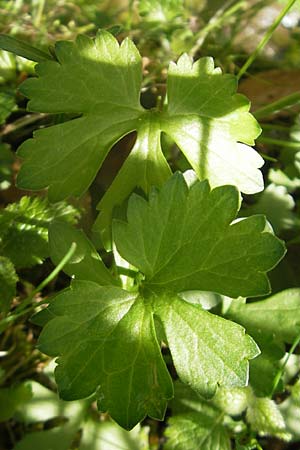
100	81
106	338
183	239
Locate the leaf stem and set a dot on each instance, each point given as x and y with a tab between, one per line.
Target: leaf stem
281	370
125	271
265	38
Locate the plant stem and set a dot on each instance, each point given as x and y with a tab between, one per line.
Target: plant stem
39	13
22	309
281	370
22	122
215	22
275	126
283	103
265	39
288	144
50	277
267	157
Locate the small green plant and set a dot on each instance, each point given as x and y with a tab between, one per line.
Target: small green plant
159	312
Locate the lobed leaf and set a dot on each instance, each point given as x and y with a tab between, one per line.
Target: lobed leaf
206	349
99	82
183	239
106	341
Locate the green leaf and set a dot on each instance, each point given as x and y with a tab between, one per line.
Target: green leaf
160	11
202	430
100	81
7	67
277	318
7	105
265	418
277	205
290	411
23	49
86	263
295	392
109	436
195	422
24	229
206	299
272	323
183	239
44	405
289	179
220	350
124	362
168	238
11	398
263	371
6	160
58	438
186	400
209	121
8	280
232	401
